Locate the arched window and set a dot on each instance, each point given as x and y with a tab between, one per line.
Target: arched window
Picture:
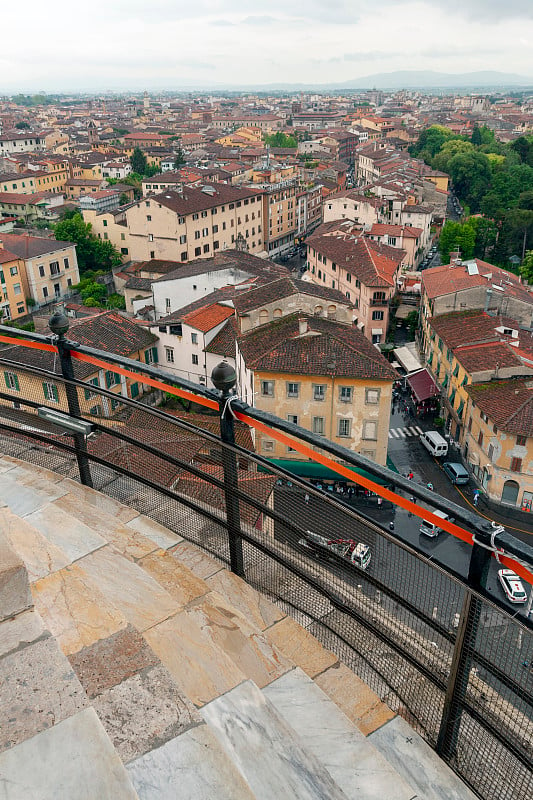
277	313
318	311
332	312
510	492
263	316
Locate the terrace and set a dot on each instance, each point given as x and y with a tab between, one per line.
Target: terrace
166	629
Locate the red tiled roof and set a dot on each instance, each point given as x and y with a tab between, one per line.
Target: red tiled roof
279	347
372	263
208	317
508	404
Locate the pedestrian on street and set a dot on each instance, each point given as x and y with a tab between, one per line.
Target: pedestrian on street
380	501
476	497
410	476
306	498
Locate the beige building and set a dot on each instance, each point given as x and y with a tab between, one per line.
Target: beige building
195	223
498	440
51	266
321	374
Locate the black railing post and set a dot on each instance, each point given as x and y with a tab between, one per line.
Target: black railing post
59	325
224	379
464	645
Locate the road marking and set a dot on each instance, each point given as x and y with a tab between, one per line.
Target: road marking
420	431
407	431
393	434
400	431
414	431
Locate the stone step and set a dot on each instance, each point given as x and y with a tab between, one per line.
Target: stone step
409	754
352	761
266	750
192	766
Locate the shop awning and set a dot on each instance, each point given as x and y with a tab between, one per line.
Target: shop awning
407	358
422	385
311	469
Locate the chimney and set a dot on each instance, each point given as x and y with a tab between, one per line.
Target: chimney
302	326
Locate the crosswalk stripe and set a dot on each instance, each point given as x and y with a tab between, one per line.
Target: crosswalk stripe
413	430
402	434
393	434
407	432
419	429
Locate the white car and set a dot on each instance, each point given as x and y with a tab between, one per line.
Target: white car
512	586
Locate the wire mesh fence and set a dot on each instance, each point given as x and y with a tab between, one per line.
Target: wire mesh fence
327	554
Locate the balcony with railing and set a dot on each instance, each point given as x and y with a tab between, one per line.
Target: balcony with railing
199	596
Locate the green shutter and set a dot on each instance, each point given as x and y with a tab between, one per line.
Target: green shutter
155	355
17	387
134	390
6	378
55	393
87	393
44	391
108	379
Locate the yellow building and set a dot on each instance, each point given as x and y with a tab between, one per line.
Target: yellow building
13	286
467	348
242	137
110	225
320	374
498	440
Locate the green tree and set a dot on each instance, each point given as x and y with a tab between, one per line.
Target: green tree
116	301
471	176
476	136
486	236
179	159
92	253
138	161
431	140
123	199
526	270
280	139
22	125
457	236
449	149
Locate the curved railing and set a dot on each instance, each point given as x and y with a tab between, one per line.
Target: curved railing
431	637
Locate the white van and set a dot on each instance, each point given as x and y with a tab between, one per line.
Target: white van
434	442
429	528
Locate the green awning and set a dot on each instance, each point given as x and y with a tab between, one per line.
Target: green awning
312	469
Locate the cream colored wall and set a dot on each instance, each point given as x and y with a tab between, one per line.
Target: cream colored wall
359	412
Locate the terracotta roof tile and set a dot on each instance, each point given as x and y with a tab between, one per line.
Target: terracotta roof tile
509	404
208	317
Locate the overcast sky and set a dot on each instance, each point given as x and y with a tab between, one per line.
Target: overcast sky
148	44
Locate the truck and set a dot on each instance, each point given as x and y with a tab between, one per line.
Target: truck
355	553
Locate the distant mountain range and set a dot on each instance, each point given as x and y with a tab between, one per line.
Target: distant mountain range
418	79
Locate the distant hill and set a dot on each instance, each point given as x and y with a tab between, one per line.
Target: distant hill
424	79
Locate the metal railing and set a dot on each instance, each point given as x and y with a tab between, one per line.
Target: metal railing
436	640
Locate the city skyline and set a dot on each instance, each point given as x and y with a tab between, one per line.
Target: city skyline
168	44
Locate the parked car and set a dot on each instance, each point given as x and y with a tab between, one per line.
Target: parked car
456	472
512	586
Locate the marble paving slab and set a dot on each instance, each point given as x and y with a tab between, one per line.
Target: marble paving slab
161	536
354	764
40	555
74	760
200	563
266	750
300	646
418	763
24	500
193	766
144	712
74	610
39	688
33	476
253	605
102	501
178	580
360	704
65	531
125	540
20	631
141	600
235	649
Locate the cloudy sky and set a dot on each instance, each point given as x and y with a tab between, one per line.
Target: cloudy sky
138	44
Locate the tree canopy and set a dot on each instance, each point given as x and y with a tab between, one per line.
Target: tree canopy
280	139
92	252
138	161
490	178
